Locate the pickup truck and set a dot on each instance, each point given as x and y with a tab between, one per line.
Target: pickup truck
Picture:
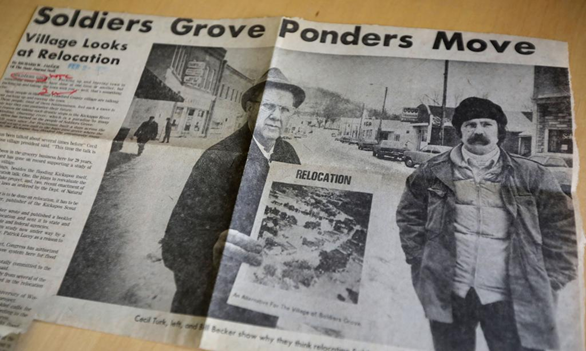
393	149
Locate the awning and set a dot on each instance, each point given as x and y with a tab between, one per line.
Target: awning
151	87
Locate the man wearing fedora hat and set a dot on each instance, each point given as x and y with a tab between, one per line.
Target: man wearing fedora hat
207	206
490	238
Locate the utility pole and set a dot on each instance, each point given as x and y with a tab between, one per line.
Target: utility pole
380	123
447	65
361	121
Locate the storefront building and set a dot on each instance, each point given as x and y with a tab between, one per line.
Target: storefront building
194	73
228	114
553	106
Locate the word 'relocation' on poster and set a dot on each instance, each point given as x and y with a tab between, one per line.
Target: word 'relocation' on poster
313	225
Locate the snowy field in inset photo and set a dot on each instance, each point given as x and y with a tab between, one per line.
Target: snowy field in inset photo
314	240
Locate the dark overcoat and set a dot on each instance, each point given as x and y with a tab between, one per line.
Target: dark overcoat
543	249
205	208
147	131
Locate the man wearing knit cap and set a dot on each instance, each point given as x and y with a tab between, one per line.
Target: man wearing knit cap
207	206
490	238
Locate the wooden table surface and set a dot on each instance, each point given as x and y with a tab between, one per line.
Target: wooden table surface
561	20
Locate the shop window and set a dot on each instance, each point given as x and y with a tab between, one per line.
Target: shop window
203	81
560	141
210	80
178	61
422	135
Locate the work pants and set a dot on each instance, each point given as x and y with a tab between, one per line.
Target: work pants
497	321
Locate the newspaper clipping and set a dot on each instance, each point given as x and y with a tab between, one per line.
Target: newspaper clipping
277	183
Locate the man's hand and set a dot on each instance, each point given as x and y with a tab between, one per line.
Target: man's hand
237	248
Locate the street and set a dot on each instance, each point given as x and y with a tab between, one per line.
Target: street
118	258
320	148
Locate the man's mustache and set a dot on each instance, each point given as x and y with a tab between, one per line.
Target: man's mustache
479	139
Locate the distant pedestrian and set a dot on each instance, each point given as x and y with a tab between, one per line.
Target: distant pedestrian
168	126
148	130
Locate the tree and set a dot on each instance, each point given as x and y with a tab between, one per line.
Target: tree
378	113
328	106
336	106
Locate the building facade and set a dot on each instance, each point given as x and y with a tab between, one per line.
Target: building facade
193	86
349	127
191	76
228	113
194	73
553	109
301	124
420	126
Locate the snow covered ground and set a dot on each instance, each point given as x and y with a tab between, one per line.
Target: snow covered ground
118	258
311	244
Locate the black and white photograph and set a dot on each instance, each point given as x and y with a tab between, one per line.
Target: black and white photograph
473	249
314	240
190	96
313	231
480	238
188	99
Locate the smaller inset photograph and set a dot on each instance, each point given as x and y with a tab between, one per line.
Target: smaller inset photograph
314	241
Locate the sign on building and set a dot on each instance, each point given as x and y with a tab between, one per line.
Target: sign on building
194	73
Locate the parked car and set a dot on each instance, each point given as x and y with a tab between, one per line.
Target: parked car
560	166
344	139
413	158
393	149
366	144
353	141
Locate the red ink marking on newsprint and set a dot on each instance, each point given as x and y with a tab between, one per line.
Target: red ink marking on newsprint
60	76
59	93
34	77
